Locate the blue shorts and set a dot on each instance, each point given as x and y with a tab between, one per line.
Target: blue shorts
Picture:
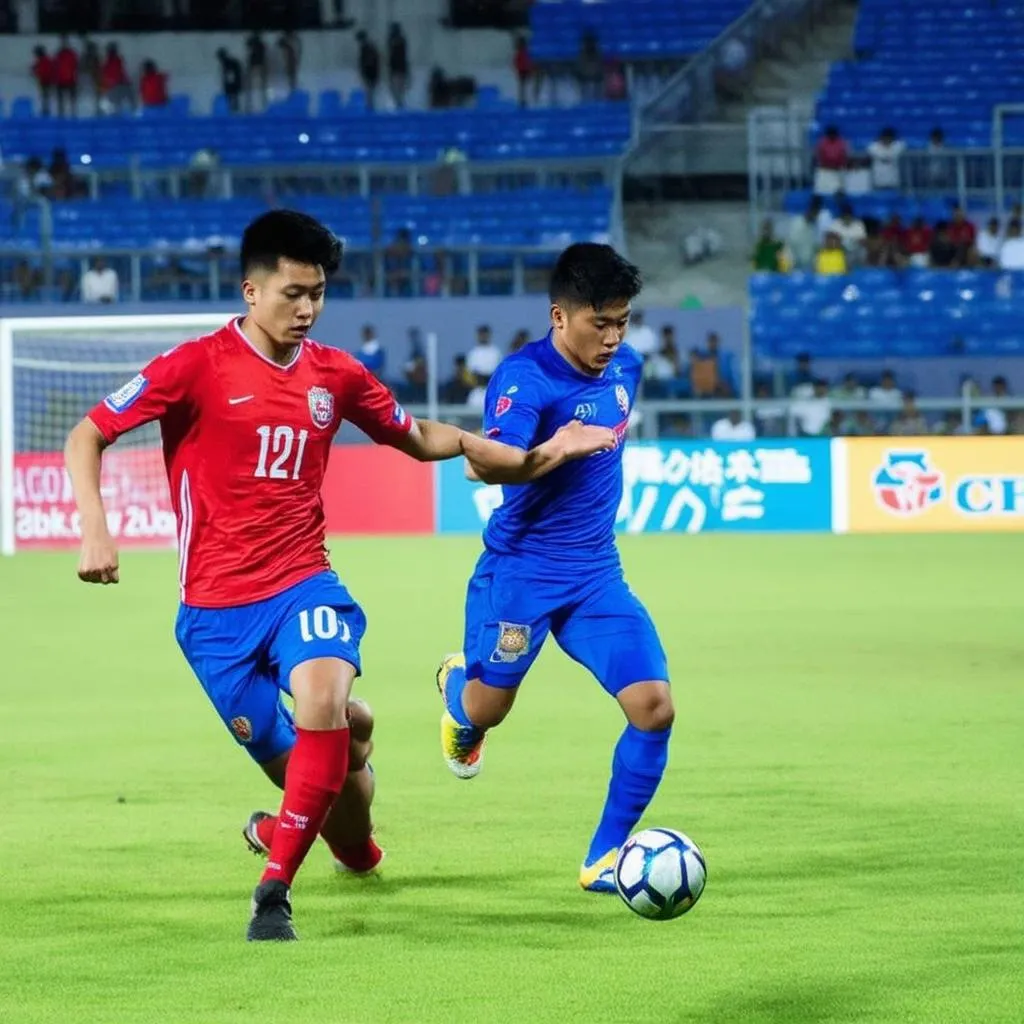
598	622
244	656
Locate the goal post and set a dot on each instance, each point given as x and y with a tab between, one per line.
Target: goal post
52	371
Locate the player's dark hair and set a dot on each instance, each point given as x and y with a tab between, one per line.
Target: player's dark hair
290	235
588	274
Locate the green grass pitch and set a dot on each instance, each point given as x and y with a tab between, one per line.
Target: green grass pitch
848	751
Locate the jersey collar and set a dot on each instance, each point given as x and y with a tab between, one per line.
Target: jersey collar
237	325
562	364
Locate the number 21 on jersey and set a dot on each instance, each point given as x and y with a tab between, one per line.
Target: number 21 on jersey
276	446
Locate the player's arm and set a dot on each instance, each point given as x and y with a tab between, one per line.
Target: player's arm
160	386
512	415
83	456
493	462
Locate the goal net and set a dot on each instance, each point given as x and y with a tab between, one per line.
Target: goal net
52	371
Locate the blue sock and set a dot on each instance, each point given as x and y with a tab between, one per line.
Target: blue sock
637	768
453	687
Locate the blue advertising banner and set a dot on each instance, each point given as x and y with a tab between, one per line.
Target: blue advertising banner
688	487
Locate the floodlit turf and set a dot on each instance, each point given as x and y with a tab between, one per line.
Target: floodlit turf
849	753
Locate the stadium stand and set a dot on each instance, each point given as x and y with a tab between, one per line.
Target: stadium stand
629	29
926	64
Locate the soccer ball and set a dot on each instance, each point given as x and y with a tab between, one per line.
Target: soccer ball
660	873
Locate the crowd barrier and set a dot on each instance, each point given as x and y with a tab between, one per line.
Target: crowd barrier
863	485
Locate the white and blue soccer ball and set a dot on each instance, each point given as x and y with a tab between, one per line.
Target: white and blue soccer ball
660	873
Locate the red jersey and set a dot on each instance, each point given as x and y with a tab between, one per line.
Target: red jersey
44	70
66	66
246	443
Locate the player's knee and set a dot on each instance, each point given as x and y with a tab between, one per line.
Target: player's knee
321	689
648	706
360	720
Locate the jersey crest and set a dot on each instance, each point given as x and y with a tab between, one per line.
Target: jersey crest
622	397
321	407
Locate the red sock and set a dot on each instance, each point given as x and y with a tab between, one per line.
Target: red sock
314	777
358	857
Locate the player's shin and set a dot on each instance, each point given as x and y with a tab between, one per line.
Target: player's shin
452	690
637	767
315	776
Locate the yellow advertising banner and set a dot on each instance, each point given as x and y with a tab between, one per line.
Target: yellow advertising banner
923	484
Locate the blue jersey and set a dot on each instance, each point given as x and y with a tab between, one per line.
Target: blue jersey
565	520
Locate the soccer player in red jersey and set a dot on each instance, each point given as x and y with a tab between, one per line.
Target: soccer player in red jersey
247	415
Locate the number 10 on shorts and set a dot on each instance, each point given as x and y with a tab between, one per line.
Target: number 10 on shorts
322	623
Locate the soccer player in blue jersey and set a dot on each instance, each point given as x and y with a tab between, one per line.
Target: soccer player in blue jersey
550	563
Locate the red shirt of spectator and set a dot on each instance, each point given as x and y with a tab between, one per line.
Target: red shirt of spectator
917	238
153	88
894	233
113	73
831	153
66	65
44	70
523	61
961	231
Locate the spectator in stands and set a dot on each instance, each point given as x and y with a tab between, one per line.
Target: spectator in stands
917	242
995	417
371	352
641	336
861	425
65	184
66	78
801	379
885	395
100	283
857	181
662	370
1011	255
723	364
943	254
199	183
589	67
831	257
114	83
28	281
44	71
852	233
990	241
963	234
616	86
290	47
767	255
522	63
456	390
705	375
770	418
232	78
850	390
803	236
153	86
939	168
91	67
369	67
733	428
256	72
831	157
885	154
886	248
34	183
415	369
398	64
521	340
813	414
484	356
398	265
911	421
